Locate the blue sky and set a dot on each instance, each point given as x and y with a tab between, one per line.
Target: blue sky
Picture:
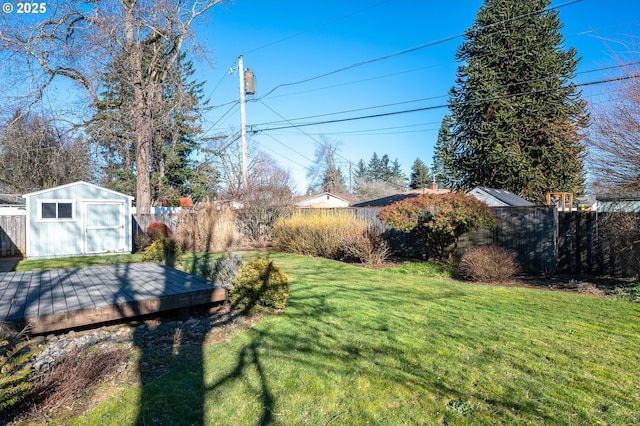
290	41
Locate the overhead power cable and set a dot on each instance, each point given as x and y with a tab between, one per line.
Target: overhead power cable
387	114
411	49
626	65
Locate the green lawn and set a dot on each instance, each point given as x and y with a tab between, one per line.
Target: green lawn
388	347
76	262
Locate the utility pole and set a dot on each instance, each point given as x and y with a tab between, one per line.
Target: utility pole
243	123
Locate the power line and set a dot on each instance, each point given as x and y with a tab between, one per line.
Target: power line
289	148
412	49
444	96
354	110
387	114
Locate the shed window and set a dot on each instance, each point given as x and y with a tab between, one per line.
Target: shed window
51	210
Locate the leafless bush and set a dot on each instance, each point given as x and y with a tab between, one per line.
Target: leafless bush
143	240
621	232
256	222
73	376
488	264
365	245
590	289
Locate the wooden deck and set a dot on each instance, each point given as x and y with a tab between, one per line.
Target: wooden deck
65	298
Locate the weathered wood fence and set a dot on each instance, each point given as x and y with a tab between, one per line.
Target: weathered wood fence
599	243
13	231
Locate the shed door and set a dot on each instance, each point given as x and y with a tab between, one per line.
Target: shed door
104	224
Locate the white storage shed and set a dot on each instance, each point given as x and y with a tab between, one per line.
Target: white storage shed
77	219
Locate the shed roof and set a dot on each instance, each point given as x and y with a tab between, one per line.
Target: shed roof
80	182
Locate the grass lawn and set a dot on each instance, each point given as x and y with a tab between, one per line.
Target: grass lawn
402	347
76	262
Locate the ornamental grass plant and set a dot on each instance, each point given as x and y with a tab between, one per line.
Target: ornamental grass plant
316	232
333	234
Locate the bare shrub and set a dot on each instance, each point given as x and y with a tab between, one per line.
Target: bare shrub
365	246
143	240
620	230
488	264
256	222
210	227
73	376
590	289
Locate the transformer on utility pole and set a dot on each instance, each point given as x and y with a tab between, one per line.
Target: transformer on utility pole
247	87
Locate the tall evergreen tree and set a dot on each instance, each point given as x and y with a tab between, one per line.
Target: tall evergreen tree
420	176
517	117
374	167
174	134
443	168
361	170
395	171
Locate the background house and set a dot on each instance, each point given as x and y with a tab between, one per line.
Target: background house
390	199
12	205
621	201
499	197
326	200
77	219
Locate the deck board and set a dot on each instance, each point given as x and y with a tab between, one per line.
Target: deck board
72	297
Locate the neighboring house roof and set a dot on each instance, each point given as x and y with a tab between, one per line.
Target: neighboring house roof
499	197
7	199
68	185
390	199
617	196
327	199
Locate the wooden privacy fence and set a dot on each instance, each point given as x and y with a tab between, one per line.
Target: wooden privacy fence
13	231
599	243
529	232
543	239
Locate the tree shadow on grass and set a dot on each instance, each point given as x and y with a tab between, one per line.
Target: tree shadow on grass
368	347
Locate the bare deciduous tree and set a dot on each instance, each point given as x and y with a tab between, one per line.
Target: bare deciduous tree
614	140
268	194
35	154
267	182
80	39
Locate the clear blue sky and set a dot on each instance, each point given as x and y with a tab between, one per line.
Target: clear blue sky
288	41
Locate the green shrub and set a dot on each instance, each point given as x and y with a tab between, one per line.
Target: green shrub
260	284
162	251
14	374
316	233
630	292
488	264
